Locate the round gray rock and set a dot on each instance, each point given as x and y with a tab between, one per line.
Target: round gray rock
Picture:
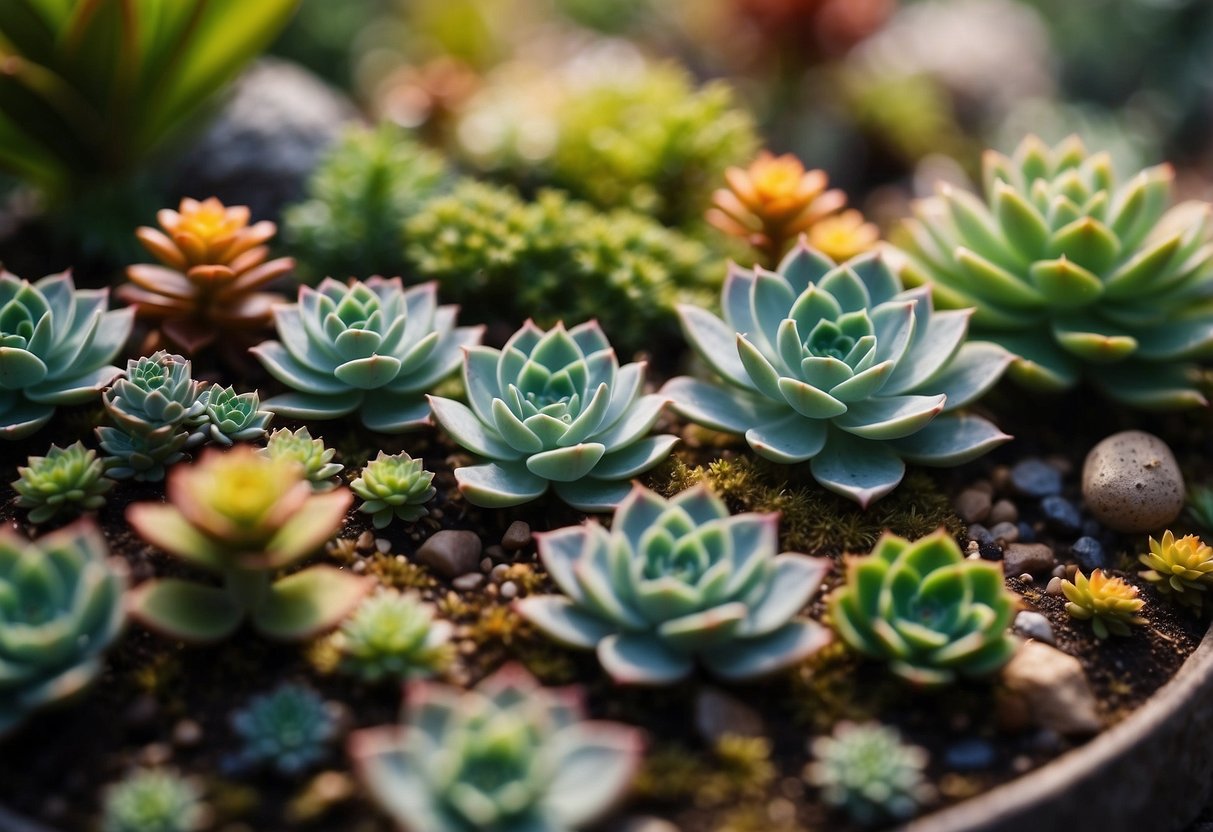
451	553
1132	483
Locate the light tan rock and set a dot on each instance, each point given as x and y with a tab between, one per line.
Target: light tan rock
1132	483
1052	689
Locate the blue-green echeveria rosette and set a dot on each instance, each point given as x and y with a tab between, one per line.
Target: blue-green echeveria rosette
56	345
1081	277
675	582
373	347
553	409
507	756
838	365
61	607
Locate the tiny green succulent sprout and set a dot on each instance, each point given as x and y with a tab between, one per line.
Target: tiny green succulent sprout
1110	603
373	347
299	446
149	408
926	610
838	366
395	486
675	581
291	728
153	800
228	417
553	410
1080	278
65	482
870	773
244	517
1180	567
61	607
56	345
507	756
393	635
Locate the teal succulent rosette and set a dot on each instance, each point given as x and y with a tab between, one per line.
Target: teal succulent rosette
675	582
553	410
370	347
839	366
1081	278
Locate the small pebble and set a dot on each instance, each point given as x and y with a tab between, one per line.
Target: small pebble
990	551
451	553
517	536
1027	578
718	713
509	590
468	582
1131	482
383	545
1090	554
1028	557
498	572
1061	514
495	552
980	533
1055	689
969	755
1006	532
359	566
1000	478
1027	534
1036	478
486	565
1059	571
1054	587
366	541
1004	511
1034	625
972	505
187	733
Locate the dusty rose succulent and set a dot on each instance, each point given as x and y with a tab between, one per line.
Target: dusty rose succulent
212	266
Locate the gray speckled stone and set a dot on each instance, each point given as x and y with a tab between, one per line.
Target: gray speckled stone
1132	483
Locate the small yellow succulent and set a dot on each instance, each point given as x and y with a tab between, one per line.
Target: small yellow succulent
1183	567
1109	603
843	236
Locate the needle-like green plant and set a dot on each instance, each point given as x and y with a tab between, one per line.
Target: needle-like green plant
244	517
90	88
67	481
394	486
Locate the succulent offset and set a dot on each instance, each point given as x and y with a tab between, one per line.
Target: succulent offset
553	410
56	345
299	446
374	347
676	582
838	366
213	265
290	729
870	773
244	517
393	636
1110	603
1182	567
152	800
149	407
1081	278
227	417
394	486
67	481
61	607
928	612
508	756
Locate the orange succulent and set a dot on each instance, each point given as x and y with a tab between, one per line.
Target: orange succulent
213	264
775	200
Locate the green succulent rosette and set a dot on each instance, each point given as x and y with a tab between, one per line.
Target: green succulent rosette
926	610
1082	278
56	345
228	417
507	756
61	607
67	481
553	410
373	347
394	486
675	582
839	366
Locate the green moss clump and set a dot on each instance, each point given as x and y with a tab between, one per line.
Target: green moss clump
738	769
813	520
357	200
502	258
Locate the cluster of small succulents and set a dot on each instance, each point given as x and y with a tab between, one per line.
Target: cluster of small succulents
371	347
61	607
244	517
870	773
840	367
227	417
508	755
291	729
678	581
299	446
65	482
1180	567
928	612
1110	603
393	635
58	342
153	800
213	265
553	410
1080	279
394	486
